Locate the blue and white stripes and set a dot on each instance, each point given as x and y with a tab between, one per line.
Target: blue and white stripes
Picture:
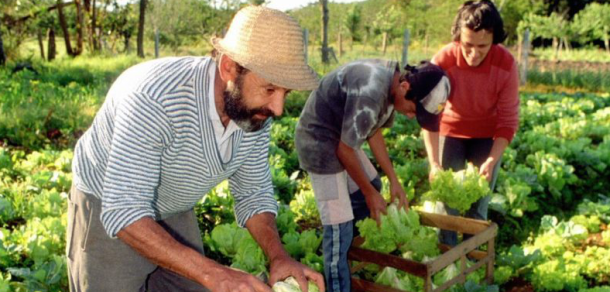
151	150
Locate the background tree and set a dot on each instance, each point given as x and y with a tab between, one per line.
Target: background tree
64	28
593	23
352	23
141	28
324	33
554	27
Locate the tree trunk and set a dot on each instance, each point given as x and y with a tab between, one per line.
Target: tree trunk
80	24
2	54
126	42
64	27
51	48
324	32
40	43
141	29
93	30
606	41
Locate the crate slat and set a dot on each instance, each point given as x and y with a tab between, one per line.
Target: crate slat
359	285
387	260
462	249
453	223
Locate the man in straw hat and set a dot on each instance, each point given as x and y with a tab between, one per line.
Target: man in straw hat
350	107
169	131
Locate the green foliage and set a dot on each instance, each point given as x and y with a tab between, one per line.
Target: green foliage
400	231
459	190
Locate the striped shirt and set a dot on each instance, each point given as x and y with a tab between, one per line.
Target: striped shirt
151	150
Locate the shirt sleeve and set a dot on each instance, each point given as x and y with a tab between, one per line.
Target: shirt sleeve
508	107
140	134
361	115
251	184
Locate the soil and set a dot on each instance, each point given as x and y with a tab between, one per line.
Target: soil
518	285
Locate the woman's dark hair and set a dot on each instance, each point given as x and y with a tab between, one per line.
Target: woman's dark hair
478	15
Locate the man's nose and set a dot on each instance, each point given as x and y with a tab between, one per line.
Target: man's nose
277	103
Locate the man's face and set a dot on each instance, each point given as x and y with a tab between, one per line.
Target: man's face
475	45
250	101
401	104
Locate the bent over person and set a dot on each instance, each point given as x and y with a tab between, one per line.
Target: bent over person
350	107
482	113
168	132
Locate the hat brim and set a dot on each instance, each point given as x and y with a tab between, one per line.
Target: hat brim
288	76
427	120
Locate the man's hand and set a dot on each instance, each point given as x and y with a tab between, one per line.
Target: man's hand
376	203
397	193
283	267
487	168
230	280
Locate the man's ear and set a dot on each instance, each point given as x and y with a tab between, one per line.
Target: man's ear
227	69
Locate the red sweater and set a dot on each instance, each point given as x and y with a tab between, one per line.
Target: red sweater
484	100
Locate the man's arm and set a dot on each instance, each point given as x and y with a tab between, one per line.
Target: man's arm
150	240
378	147
431	141
349	159
263	229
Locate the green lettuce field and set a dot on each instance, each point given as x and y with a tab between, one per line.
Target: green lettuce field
551	203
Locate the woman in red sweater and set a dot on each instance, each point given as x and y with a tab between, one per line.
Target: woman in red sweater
482	114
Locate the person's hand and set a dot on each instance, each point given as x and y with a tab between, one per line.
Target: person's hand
376	204
230	280
397	193
434	169
283	267
487	168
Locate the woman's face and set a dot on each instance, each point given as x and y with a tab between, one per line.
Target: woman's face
475	45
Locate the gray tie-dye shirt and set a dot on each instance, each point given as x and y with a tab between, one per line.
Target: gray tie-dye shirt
350	105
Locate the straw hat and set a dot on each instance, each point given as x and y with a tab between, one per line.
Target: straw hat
269	43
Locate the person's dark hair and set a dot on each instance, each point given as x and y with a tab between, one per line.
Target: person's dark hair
422	79
478	15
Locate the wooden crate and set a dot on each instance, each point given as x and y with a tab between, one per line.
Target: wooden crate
482	231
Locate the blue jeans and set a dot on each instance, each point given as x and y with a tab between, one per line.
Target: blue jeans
336	241
455	152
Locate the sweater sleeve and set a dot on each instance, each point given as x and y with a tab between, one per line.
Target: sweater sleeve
508	106
141	132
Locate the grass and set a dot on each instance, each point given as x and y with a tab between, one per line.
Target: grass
573	79
577	55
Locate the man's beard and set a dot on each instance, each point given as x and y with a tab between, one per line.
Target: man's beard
237	110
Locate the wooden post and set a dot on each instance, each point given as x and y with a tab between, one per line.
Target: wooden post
405	48
384	42
324	31
340	44
156	43
524	55
2	53
489	271
428	283
306	42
